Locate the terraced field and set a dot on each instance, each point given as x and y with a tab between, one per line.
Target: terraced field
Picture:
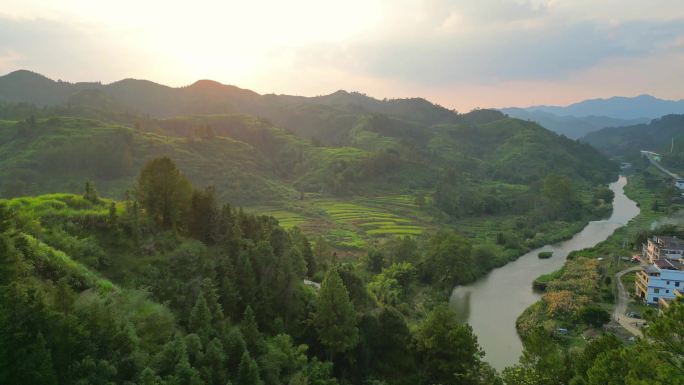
351	224
287	219
369	219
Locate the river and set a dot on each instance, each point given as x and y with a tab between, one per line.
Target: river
492	304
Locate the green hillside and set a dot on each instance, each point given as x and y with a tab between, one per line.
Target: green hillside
629	140
351	168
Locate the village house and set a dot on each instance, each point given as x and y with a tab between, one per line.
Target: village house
661	247
661	281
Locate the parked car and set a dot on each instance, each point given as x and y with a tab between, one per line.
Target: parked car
633	314
562	331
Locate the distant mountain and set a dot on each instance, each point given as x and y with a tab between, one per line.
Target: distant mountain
657	135
326	118
618	107
345	142
571	126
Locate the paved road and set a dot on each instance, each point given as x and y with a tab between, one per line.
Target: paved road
661	168
621	307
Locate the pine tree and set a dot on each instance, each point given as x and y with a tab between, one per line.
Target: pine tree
90	193
335	317
148	377
250	331
164	192
235	347
214	363
246	279
112	214
248	372
200	321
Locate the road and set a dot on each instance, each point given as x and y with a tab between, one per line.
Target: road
660	167
621	307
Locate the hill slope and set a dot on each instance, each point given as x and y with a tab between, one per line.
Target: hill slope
573	127
655	136
344	165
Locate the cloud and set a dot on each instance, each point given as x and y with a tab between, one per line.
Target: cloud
66	50
544	51
462	53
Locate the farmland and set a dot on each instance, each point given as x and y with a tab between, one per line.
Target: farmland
353	224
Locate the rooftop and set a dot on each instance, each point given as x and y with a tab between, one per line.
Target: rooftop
667	264
670	242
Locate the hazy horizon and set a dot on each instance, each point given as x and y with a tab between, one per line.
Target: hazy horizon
336	90
460	54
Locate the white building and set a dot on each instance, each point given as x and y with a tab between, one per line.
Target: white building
660	281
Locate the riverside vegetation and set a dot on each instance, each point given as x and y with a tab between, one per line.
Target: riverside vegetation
579	298
388	204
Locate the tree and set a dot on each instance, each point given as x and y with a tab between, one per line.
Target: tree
112	214
90	192
584	361
449	260
609	368
164	192
215	363
375	260
204	216
594	316
248	371
200	321
541	363
390	346
666	337
250	331
448	350
335	317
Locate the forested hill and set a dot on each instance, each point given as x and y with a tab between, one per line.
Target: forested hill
629	140
303	115
571	126
344	165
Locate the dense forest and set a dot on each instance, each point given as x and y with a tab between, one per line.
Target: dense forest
657	136
347	169
169	287
212	235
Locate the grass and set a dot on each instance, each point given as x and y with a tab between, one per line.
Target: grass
352	224
286	219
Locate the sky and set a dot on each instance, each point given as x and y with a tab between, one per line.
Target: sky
462	54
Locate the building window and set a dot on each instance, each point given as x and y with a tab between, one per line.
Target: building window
656	291
677	284
667	292
668	282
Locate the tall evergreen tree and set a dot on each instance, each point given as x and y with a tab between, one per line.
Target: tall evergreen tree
250	331
200	321
248	372
164	192
335	317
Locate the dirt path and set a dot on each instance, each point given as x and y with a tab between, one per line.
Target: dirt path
621	308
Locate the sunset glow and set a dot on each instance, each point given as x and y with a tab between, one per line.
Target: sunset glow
452	52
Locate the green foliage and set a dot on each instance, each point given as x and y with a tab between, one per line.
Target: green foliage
335	318
449	260
542	362
594	316
164	192
448	350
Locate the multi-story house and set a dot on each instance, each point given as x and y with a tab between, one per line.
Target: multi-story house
665	303
660	280
659	247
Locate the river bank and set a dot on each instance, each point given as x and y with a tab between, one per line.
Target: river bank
492	304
